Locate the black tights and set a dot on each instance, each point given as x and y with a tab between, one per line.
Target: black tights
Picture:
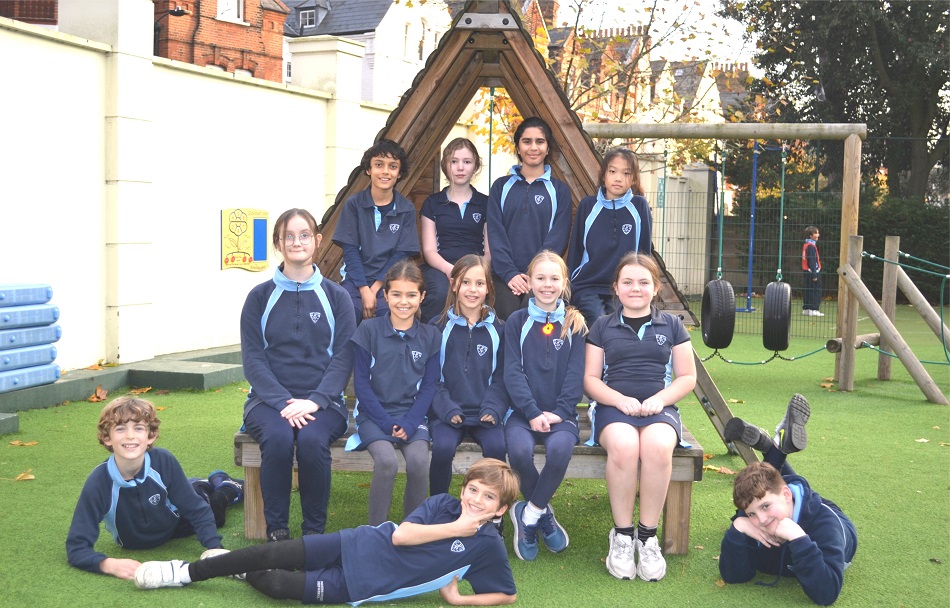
274	569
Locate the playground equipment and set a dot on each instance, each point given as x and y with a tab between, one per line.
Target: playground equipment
883	319
718	319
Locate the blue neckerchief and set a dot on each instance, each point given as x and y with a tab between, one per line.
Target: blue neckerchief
543	316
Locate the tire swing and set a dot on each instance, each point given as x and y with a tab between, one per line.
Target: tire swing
718	320
777	314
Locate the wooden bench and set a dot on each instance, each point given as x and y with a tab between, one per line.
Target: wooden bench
586	463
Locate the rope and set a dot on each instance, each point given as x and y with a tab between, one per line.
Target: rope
893	356
910	257
781	219
775	355
722	208
871	256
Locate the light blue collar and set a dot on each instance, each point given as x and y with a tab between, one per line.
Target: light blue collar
543	316
286	284
546	176
623	201
117	478
463	321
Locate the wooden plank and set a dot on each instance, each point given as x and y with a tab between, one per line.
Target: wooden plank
848	315
916	370
892	246
850	192
676	511
716	409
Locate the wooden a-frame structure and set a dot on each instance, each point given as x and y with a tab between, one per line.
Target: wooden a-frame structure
488	46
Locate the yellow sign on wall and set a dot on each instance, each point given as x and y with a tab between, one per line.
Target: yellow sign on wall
244	239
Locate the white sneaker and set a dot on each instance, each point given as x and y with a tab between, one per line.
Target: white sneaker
651	566
808	312
213	553
817	313
620	562
153	575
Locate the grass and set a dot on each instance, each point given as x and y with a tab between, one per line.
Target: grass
864	453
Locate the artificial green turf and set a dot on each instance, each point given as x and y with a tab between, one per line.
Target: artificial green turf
863	453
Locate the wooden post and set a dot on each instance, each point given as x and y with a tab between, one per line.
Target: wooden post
892	245
850	191
717	410
923	307
834	345
887	329
848	315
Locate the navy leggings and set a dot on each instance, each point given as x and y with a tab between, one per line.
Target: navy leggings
536	487
776	458
276	438
446	439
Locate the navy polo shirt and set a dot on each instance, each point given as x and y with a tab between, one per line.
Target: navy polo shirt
638	365
458	232
397	232
375	568
398	363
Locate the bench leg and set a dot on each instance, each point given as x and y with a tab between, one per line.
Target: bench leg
254	525
676	518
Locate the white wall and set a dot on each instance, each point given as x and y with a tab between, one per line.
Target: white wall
68	196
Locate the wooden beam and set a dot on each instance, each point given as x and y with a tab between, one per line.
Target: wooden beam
850	191
735	130
848	313
862	341
716	409
892	246
931	318
887	329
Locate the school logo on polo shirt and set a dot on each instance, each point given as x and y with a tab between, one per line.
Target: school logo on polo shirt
627	228
393	227
416	355
481	349
558	343
457	546
315	316
538	199
154	499
661	340
477	217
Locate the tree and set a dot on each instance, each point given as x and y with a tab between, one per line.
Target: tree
884	63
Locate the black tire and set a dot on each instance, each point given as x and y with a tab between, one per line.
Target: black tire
777	318
719	314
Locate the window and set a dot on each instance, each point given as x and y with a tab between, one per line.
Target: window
308	18
232	10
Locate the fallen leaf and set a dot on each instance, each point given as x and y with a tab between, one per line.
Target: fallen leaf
141	391
94	367
922	440
944	444
736	400
720	583
935	560
160	408
708	456
24	444
162	392
99	395
26	475
936	428
826	385
721	470
245	390
716	558
828	379
699	547
362	485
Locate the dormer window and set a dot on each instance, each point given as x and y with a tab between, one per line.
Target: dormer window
308	18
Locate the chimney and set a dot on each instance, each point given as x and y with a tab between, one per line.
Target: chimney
549	10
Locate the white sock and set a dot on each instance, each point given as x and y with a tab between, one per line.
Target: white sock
531	514
183	575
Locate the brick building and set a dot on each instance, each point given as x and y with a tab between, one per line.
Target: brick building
238	36
39	12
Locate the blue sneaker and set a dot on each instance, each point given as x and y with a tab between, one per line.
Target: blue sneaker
219	479
525	538
554	535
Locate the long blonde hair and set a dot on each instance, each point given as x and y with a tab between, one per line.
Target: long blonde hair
573	319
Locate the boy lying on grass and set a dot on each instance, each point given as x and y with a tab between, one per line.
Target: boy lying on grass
782	526
142	494
443	540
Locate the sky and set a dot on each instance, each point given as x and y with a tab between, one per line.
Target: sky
721	37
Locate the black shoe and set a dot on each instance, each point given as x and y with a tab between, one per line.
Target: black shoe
790	435
499	525
278	535
738	429
311	532
219	502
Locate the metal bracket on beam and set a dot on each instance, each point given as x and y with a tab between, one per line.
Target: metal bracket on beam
478	21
